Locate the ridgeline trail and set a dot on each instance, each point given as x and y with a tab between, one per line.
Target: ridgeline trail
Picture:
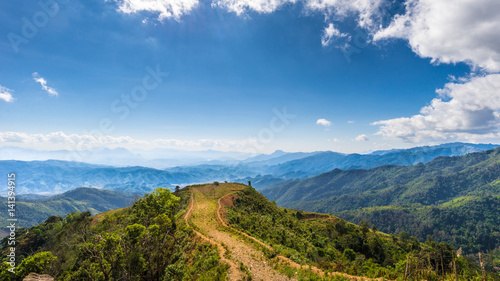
245	259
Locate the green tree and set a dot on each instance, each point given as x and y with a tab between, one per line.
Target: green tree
160	201
37	263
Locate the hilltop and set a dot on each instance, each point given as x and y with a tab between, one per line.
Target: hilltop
218	232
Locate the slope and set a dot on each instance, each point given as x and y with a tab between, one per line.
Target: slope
442	180
31	212
218	231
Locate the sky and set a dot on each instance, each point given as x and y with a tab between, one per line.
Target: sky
252	76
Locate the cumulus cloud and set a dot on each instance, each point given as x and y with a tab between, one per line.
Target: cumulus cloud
331	33
242	6
51	91
164	8
366	11
466	109
450	31
324	122
463	110
362	137
6	94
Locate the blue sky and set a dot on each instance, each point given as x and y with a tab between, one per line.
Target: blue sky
233	64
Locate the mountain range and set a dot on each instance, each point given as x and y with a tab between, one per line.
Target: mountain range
159	158
450	198
32	210
264	171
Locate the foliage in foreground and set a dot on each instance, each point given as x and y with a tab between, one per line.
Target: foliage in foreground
145	242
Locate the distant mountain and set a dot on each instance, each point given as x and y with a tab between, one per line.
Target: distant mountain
276	158
121	157
466	188
326	161
54	176
31	212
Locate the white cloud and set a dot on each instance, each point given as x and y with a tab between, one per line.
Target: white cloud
463	111
450	31
324	122
367	11
6	94
362	137
164	8
60	140
350	122
330	33
242	6
51	91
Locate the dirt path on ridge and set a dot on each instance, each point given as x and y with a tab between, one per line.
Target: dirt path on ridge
202	213
205	214
290	262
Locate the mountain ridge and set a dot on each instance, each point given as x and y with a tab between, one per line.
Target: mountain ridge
350	193
56	176
184	233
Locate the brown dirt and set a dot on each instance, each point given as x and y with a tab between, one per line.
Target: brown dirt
227	200
206	213
203	214
38	277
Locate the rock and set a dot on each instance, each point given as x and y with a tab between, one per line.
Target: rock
38	277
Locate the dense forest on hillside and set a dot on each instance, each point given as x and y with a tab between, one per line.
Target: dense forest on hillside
31	212
333	244
453	199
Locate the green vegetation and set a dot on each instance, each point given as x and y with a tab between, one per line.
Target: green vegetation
332	244
471	222
33	212
453	199
147	241
151	241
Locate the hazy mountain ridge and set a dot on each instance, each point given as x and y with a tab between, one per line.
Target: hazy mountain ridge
54	176
122	157
424	196
30	212
327	161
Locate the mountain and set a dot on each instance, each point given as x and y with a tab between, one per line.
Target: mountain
275	158
326	161
31	212
460	193
121	157
223	232
55	176
265	171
